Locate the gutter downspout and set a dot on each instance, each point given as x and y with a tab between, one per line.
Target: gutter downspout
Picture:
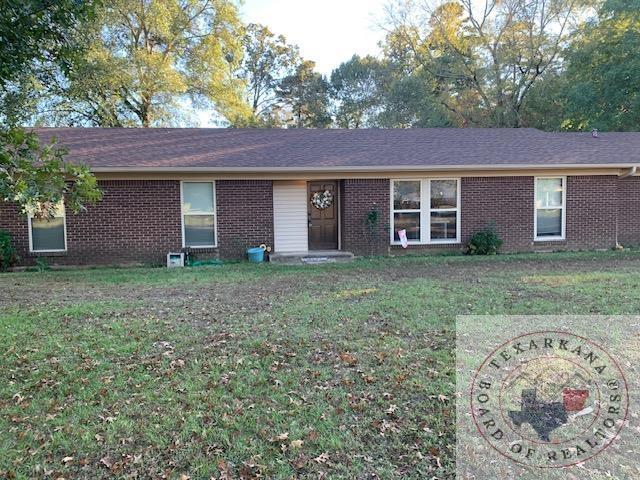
629	173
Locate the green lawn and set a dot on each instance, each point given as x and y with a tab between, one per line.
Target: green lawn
243	371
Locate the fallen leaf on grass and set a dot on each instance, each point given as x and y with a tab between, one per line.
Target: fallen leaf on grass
174	364
66	460
368	378
349	359
322	458
301	462
296	443
281	438
246	473
225	470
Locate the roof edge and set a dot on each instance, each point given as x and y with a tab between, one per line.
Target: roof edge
355	169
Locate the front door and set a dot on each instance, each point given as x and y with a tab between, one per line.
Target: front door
323	215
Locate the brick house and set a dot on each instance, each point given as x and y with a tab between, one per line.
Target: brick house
218	191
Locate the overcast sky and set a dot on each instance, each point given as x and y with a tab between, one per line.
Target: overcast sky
328	32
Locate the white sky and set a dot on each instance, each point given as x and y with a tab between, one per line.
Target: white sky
328	32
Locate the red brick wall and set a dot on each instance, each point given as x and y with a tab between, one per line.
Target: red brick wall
629	211
505	202
592	206
245	215
15	224
359	198
139	221
508	203
136	222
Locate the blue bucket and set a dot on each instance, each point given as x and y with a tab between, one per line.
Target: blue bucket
256	255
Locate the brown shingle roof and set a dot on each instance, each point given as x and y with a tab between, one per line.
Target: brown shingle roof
264	149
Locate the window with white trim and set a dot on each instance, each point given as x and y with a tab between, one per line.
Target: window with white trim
198	214
427	209
48	234
550	199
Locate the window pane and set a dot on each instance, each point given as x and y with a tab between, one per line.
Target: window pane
550	223
549	192
406	195
444	194
199	230
197	197
47	234
409	222
444	226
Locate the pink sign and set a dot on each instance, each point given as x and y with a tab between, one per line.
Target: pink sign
402	234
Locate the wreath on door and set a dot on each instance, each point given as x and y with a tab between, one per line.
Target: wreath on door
322	200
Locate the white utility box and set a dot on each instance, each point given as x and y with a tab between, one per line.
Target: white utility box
175	260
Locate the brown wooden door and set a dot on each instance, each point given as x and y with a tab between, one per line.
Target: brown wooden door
323	223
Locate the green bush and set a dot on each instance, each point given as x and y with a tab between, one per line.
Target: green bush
7	252
42	265
484	242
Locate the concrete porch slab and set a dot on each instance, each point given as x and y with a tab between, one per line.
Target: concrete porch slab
312	257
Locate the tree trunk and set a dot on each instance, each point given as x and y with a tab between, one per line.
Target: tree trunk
145	111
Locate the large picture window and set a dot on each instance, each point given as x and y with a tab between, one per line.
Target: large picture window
198	215
48	235
406	208
428	209
550	208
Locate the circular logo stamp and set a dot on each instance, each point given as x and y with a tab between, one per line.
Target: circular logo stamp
549	399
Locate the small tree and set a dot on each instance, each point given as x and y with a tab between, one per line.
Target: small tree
37	178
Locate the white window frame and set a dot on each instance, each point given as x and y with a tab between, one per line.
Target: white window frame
563	208
425	212
214	213
64	229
